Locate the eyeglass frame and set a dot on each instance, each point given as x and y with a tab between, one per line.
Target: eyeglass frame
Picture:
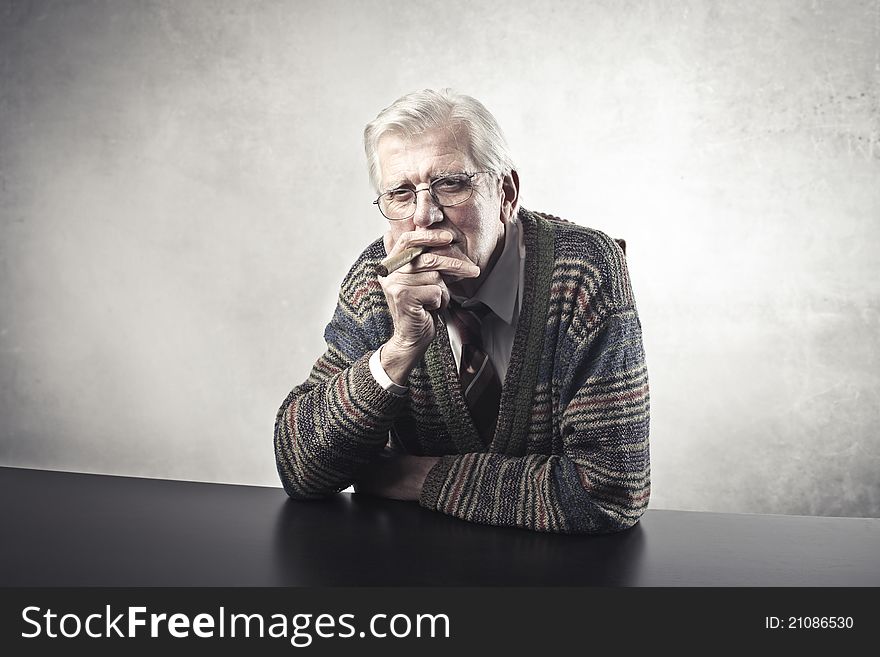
430	190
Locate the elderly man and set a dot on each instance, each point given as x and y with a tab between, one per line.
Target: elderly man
499	376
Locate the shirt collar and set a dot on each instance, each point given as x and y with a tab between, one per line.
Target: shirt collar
499	290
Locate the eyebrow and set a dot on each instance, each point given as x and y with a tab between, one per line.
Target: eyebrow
404	182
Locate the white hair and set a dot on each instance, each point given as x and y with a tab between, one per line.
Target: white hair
419	111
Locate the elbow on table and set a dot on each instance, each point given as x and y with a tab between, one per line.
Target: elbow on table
624	511
297	481
301	488
602	503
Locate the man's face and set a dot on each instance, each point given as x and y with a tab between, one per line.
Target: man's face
477	225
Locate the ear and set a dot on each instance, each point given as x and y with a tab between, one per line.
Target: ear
509	195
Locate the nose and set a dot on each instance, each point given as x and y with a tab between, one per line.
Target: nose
427	210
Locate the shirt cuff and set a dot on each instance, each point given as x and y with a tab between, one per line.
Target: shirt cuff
382	377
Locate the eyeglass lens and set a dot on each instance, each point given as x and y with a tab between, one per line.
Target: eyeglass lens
448	191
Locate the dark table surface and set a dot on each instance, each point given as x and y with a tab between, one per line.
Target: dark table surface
67	529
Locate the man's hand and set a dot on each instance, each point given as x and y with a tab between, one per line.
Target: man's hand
397	477
416	292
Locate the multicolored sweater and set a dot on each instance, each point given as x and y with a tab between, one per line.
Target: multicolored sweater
570	452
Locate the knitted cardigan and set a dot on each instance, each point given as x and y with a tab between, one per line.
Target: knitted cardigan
570	452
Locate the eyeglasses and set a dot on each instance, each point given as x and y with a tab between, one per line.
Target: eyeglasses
448	191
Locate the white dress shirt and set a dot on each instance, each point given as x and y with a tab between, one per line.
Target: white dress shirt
502	293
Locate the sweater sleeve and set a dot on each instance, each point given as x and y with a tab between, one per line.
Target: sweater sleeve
598	480
338	419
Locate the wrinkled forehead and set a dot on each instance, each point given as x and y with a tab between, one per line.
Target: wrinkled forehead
414	157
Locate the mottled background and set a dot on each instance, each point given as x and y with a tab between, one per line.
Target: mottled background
182	188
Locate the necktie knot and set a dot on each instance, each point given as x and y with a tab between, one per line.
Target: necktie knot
468	321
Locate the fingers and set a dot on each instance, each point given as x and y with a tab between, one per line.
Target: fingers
426	297
444	255
419	238
452	268
412	294
427	277
414	308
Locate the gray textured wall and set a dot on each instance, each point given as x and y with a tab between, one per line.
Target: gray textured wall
183	188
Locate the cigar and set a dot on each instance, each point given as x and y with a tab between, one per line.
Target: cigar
393	263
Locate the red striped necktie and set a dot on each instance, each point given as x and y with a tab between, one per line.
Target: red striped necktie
480	383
